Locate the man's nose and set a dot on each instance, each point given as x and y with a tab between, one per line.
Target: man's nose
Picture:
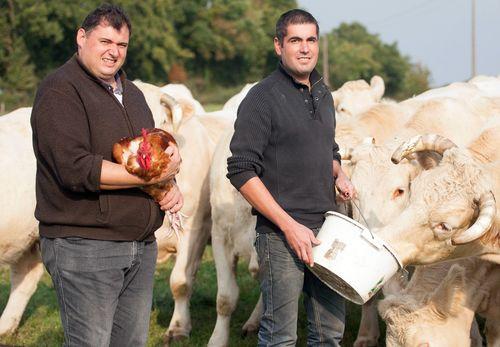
304	47
113	50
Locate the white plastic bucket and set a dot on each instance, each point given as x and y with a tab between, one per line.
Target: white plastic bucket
351	260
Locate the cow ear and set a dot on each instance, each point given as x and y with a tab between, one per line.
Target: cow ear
396	306
378	87
449	296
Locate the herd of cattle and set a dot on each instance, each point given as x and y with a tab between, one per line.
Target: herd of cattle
426	170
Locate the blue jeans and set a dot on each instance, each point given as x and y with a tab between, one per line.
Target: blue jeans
104	289
283	277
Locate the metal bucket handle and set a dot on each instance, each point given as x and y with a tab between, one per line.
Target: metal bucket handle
386	246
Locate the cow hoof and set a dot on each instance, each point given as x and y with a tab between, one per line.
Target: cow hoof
365	342
8	330
249	329
172	336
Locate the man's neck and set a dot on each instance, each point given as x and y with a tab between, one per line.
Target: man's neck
111	82
305	81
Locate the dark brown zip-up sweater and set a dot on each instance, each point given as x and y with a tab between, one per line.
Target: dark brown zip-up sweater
76	120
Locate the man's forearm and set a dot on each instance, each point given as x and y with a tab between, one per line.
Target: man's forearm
259	197
115	176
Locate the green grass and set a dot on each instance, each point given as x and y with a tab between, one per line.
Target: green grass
212	107
41	326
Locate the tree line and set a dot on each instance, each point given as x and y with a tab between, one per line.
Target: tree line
203	43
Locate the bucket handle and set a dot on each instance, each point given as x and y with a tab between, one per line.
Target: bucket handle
404	272
366	223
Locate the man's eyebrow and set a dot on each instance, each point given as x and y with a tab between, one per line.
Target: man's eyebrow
314	37
109	40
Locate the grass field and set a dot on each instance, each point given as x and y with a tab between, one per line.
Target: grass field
41	326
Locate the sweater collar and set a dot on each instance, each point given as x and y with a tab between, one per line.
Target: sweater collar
314	77
120	75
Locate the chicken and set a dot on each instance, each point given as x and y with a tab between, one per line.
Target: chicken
145	157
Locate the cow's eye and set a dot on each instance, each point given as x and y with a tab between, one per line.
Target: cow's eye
444	226
341	109
398	192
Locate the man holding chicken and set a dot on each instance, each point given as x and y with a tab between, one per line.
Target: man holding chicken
285	162
96	227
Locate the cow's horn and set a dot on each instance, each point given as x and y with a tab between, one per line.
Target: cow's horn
175	108
487	212
428	142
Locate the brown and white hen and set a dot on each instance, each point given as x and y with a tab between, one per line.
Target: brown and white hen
145	157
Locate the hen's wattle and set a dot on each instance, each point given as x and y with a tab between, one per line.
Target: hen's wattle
144	152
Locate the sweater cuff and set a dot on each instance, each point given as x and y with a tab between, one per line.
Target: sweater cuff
95	173
241	178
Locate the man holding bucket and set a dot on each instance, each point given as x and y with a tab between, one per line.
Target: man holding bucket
285	162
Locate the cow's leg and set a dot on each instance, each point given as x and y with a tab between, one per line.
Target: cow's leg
492	332
368	332
189	253
475	335
24	277
252	324
227	289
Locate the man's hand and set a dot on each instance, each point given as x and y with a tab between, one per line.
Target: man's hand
301	239
173	166
345	187
173	200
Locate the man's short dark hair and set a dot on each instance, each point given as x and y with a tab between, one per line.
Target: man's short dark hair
110	14
295	16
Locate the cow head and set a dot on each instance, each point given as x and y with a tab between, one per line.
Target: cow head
437	307
440	319
355	97
383	188
449	205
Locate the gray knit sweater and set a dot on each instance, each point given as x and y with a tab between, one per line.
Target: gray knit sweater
284	134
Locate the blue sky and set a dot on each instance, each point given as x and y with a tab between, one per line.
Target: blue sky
436	33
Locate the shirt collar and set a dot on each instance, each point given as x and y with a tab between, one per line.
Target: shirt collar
119	85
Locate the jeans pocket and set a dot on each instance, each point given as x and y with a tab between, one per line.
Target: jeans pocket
256	243
85	255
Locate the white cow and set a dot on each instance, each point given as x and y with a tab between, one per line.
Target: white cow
180	91
234	102
19	248
451	211
356	97
482	86
233	235
488	85
383	188
196	148
18	226
438	305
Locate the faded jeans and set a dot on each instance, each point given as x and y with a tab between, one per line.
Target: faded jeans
104	289
283	277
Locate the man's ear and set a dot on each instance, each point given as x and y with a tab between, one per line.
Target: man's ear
80	37
277	46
